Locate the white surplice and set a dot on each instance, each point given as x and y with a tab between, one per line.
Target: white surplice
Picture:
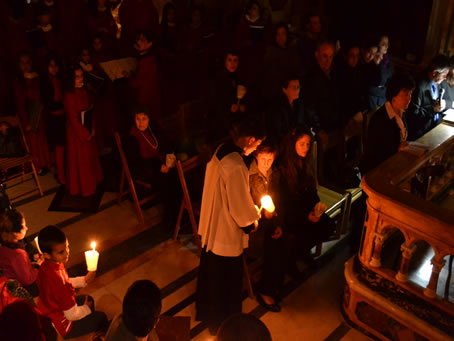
227	206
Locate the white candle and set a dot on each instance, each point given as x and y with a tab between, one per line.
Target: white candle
37	245
91	257
267	203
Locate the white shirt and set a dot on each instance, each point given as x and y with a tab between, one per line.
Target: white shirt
226	206
398	118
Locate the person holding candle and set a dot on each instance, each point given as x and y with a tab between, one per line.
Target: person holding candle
72	316
264	183
303	215
227	217
14	260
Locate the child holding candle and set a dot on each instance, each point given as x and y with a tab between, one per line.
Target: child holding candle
14	260
72	316
264	180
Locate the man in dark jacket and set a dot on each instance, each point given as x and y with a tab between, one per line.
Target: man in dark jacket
423	114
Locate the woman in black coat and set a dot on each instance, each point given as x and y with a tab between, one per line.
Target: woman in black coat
303	212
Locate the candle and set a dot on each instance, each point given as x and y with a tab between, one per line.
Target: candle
267	203
91	257
37	245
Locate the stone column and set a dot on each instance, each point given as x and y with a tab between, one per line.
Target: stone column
378	245
407	253
431	290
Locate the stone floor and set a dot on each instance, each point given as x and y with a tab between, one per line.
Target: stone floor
129	251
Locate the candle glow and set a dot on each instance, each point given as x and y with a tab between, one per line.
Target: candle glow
91	257
267	203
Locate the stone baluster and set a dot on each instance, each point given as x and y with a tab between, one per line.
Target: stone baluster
431	289
378	245
407	253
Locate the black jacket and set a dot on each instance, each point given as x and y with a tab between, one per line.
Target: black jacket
383	140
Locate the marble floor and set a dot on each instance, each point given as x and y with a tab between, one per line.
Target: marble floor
130	251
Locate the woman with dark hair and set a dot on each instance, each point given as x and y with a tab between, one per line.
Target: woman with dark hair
280	59
387	131
304	212
83	170
146	83
170	30
101	23
52	95
146	153
377	90
30	111
229	95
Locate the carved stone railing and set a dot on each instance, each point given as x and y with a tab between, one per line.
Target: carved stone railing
394	206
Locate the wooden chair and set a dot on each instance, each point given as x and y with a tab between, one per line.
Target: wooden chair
23	165
186	203
126	174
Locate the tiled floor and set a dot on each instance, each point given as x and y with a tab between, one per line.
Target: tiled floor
310	312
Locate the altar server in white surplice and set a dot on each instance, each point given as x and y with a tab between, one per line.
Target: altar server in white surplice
227	217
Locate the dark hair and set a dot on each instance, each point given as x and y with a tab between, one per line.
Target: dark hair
251	3
70	78
10	221
147	34
57	60
291	161
268	146
12	321
243	327
439	63
399	81
141	307
50	236
249	126
140	109
232	51
290	76
165	11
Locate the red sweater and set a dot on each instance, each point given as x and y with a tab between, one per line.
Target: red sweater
15	264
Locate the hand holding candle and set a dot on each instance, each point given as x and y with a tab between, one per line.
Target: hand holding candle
267	203
91	257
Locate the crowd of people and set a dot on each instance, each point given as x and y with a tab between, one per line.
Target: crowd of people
277	90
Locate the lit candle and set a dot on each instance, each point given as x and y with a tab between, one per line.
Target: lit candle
91	257
37	245
267	203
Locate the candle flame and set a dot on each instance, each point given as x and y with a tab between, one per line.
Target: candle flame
93	246
267	203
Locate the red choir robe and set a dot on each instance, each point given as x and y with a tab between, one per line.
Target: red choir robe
103	24
25	91
83	170
146	85
137	15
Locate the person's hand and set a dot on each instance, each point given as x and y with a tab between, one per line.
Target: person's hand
164	169
277	233
234	107
256	226
28	127
313	218
378	58
39	258
90	276
358	117
269	215
242	108
88	302
439	105
323	136
402	145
